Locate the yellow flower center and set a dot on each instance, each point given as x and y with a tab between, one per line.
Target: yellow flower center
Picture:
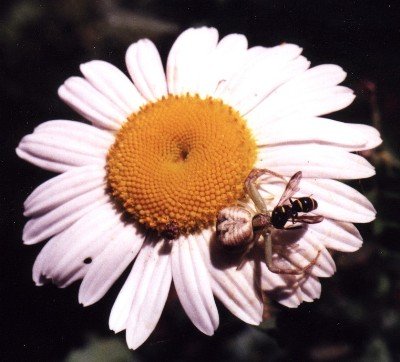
177	161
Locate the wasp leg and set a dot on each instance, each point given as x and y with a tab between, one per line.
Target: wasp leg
292	227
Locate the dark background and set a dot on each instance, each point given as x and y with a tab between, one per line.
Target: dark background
43	42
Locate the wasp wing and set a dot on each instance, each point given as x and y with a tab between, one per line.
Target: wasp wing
291	188
309	219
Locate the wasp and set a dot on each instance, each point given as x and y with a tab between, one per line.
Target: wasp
240	228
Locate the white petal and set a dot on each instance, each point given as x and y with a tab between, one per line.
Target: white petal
310	93
282	288
256	57
192	284
44	261
142	298
300	248
243	64
290	290
234	288
257	82
63	188
316	78
80	95
298	130
77	131
145	68
337	235
258	61
114	85
222	63
60	218
316	102
314	161
310	288
371	135
186	56
337	200
61	145
325	265
67	257
123	246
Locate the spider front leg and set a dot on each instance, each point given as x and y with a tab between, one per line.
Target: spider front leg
252	191
274	269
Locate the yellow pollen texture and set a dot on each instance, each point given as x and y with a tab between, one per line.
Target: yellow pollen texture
179	160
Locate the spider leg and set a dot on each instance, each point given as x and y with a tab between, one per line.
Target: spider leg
268	257
312	262
247	250
274	269
250	185
270	197
255	196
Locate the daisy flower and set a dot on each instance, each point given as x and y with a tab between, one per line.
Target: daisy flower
165	151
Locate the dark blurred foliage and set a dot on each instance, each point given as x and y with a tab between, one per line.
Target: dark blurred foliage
358	316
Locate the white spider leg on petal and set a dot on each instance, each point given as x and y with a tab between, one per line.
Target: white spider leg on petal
81	96
290	290
236	289
222	64
123	246
260	73
186	57
299	249
337	235
192	284
114	85
309	129
63	188
146	70
59	146
55	221
142	298
315	161
66	257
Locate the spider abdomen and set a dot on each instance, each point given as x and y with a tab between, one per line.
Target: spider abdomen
234	226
